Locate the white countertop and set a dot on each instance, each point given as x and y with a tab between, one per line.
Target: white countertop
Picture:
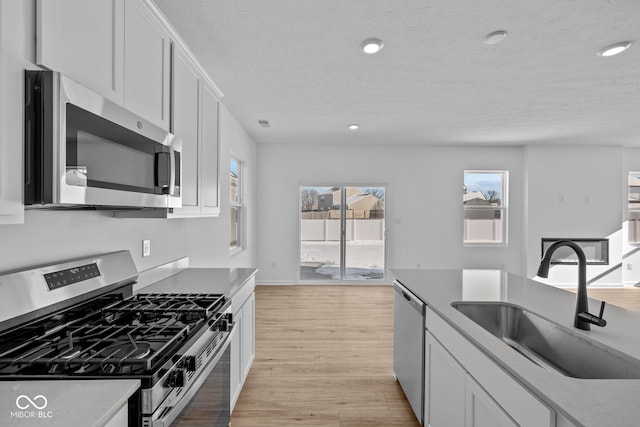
586	402
64	403
226	281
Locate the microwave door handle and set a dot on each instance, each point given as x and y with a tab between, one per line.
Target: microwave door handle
162	171
172	171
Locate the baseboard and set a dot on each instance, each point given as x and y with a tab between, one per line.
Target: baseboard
274	282
297	283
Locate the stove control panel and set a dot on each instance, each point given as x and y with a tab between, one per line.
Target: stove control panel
59	279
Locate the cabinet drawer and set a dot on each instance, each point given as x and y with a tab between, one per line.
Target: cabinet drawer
525	408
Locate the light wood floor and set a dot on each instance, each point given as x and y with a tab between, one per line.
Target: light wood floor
324	357
628	297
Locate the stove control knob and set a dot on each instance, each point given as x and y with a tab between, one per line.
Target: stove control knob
176	378
190	363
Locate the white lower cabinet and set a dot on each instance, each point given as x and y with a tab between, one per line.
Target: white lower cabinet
463	387
481	409
445	394
247	332
236	374
243	348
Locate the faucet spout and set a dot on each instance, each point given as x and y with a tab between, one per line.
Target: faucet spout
583	319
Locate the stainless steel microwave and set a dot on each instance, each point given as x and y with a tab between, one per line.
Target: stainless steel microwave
83	150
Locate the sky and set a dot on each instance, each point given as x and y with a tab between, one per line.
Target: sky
483	182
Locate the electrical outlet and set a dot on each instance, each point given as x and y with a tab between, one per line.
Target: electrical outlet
629	266
273	265
146	248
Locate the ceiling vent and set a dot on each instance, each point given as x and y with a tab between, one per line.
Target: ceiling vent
264	123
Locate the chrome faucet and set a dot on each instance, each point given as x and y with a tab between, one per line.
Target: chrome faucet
583	319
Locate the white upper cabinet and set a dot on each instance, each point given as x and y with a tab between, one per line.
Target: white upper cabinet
117	48
147	47
184	124
15	48
84	39
209	119
128	52
195	121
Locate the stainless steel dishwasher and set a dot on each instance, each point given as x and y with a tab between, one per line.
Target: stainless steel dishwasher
408	346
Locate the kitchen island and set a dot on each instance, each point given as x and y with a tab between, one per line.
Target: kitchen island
563	400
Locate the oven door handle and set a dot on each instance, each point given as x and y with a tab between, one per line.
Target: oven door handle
170	414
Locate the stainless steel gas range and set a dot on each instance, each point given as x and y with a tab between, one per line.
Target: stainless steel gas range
80	320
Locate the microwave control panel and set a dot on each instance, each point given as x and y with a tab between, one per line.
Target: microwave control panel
59	279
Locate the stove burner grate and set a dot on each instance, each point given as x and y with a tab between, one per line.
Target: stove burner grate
112	348
189	306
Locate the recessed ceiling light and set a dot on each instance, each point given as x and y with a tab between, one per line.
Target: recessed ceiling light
354	126
371	46
495	37
614	49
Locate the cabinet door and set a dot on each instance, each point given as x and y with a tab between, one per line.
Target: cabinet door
248	335
83	39
15	48
446	392
482	410
147	63
209	152
184	124
236	359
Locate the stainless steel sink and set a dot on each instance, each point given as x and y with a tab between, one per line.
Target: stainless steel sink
548	344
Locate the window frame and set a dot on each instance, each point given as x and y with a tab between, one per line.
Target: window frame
237	205
629	209
503	208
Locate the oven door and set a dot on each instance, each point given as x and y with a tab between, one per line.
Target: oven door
96	152
208	400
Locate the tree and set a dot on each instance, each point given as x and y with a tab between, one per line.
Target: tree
308	198
376	191
491	195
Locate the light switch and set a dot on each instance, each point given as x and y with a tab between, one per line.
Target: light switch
146	248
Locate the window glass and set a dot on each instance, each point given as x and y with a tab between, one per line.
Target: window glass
484	203
633	207
235	214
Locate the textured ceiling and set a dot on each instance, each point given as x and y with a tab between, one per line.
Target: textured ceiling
297	64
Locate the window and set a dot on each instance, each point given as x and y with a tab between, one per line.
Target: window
633	207
235	203
484	203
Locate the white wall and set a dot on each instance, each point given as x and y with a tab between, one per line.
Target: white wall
555	191
424	202
630	253
51	236
212	237
573	192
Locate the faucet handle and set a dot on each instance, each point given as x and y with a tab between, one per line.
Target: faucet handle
592	318
602	303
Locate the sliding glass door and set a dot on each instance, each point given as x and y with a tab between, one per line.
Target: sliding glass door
342	233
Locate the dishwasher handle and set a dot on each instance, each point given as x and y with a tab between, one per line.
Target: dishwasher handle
406	294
